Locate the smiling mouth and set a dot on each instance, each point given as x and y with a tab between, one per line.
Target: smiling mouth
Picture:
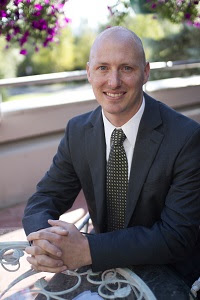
116	95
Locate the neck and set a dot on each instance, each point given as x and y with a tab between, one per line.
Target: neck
119	119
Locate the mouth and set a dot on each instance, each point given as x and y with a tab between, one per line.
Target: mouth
114	95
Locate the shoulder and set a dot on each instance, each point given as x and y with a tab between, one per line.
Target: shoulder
86	119
172	120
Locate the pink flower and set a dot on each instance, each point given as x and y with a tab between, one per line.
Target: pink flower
16	30
189	22
46	42
110	10
43	16
197	25
67	20
59	6
16	2
40	24
179	2
8	37
23	52
24	38
51	31
11	23
3	13
37	13
187	16
38	7
3	2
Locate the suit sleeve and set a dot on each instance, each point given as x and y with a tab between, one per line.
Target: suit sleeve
56	191
170	239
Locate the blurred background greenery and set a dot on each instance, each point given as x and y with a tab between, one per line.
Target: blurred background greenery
162	39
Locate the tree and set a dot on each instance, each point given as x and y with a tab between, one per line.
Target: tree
164	41
82	44
71	52
9	59
177	11
55	58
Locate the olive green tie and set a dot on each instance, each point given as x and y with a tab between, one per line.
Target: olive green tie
116	182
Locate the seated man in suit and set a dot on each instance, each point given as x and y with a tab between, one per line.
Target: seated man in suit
138	163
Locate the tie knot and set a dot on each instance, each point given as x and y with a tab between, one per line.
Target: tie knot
118	137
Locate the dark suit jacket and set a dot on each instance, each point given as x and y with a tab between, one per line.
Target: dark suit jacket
163	205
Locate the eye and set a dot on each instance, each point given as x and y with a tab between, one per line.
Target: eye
127	68
102	68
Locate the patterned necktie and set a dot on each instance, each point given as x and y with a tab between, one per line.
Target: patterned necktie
117	182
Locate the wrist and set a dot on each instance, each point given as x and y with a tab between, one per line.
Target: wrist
87	255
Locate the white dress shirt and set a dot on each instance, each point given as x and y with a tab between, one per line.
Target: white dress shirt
130	129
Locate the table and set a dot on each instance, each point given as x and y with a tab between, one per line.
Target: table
144	282
155	282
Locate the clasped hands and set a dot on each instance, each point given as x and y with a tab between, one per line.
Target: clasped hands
58	248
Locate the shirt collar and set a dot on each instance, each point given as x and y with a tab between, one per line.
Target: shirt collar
130	128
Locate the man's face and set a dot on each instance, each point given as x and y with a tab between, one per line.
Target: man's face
117	73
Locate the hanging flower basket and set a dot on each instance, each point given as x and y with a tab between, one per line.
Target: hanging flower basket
177	11
31	22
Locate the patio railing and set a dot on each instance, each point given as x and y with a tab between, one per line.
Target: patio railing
82	75
30	129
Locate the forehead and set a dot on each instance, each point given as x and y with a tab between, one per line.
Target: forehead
119	47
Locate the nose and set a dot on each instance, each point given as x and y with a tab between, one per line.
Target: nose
114	80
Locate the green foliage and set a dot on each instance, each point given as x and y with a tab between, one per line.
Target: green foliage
183	45
9	59
162	40
82	45
180	46
139	6
70	53
149	28
176	11
58	58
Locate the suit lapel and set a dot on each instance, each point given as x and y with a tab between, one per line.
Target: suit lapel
147	144
96	155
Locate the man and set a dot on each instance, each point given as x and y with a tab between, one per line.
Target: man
159	217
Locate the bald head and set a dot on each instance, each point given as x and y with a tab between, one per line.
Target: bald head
121	35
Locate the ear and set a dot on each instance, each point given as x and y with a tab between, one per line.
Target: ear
88	71
146	72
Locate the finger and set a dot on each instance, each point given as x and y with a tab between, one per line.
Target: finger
34	250
58	230
47	247
44	260
58	223
48	269
47	234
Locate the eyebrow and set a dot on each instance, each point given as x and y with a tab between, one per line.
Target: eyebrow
121	65
101	63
